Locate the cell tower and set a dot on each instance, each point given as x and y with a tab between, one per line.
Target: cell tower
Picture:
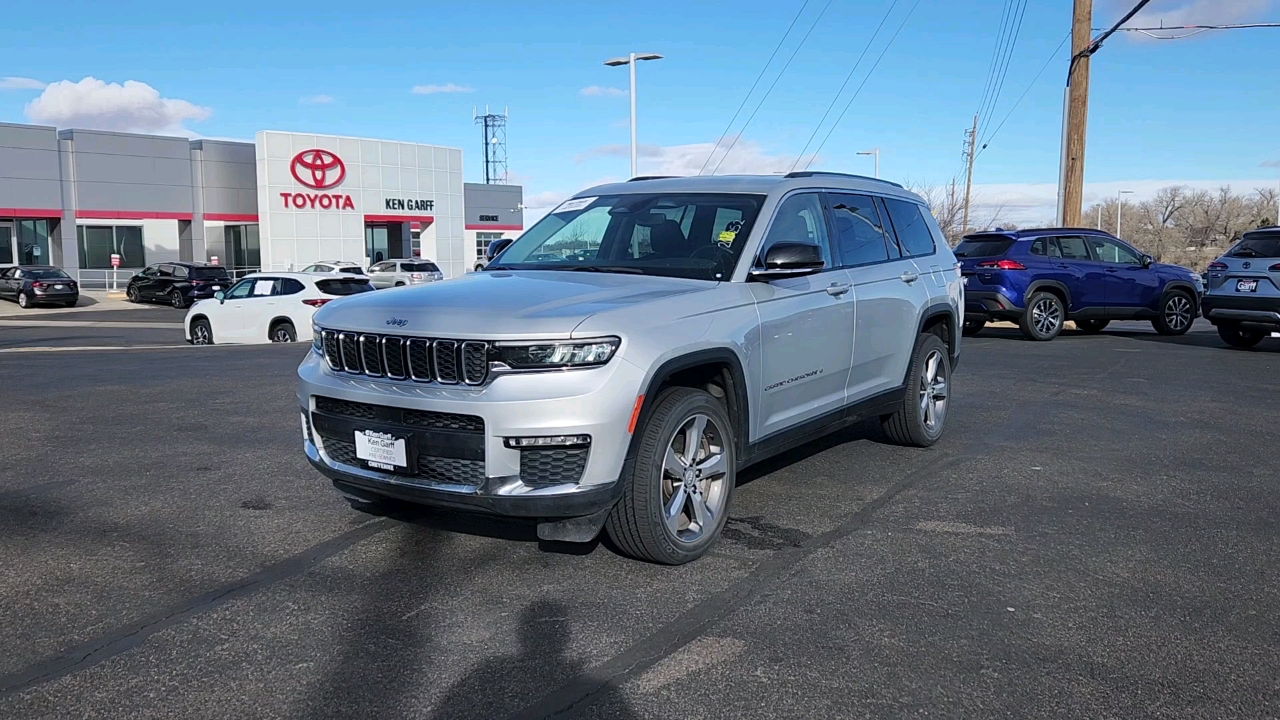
495	145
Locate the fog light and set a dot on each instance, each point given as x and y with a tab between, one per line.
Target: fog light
548	441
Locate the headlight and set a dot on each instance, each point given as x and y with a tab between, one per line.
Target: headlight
552	355
317	342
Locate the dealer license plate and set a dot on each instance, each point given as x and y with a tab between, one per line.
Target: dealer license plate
382	450
217	287
1246	286
57	287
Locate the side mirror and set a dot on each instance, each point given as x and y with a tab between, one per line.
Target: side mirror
1148	261
790	259
496	247
220	296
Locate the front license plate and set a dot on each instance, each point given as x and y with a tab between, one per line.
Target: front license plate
382	450
1246	286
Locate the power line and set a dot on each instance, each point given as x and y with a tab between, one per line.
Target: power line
746	97
1004	72
1030	85
771	87
870	72
1007	21
831	106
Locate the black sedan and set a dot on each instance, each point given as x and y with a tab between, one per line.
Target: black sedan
31	285
177	283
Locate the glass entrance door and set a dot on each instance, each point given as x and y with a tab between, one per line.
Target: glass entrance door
6	244
33	242
375	243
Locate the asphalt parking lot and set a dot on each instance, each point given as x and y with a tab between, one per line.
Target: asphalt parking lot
1097	536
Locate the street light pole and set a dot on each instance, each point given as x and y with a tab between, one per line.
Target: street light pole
876	153
1120	207
631	60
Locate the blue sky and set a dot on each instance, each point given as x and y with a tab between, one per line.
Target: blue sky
1199	110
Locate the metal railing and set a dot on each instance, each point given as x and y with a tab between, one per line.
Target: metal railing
109	279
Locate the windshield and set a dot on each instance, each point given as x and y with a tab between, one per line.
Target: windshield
690	235
46	275
1260	245
209	273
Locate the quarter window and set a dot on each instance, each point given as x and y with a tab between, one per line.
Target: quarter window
910	226
860	238
799	219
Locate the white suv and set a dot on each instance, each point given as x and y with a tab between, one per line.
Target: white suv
620	362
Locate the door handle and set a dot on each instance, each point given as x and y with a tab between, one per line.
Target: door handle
909	277
838	289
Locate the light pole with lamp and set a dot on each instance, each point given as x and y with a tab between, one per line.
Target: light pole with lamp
631	60
1120	207
876	153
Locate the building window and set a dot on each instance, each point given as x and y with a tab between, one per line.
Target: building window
33	242
243	249
482	242
97	243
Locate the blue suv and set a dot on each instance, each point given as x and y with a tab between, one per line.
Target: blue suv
1042	278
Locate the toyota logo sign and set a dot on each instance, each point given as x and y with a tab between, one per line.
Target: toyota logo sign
318	169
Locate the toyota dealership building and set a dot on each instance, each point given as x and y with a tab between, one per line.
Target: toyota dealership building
73	198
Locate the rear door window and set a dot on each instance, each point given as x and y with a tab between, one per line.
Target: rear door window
289	286
980	247
343	286
263	287
860	237
1073	247
909	225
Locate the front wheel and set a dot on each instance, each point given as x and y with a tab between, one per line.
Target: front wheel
1092	326
1176	315
1043	318
921	418
973	327
283	333
678	490
132	295
1238	337
201	333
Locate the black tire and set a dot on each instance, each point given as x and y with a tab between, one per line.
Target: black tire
399	284
1237	337
1092	327
70	303
283	332
1177	313
637	524
908	426
1043	318
973	327
201	332
177	300
131	294
24	300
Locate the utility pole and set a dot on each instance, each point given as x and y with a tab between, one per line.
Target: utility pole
1075	116
970	149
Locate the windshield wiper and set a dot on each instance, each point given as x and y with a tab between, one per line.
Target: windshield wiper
605	269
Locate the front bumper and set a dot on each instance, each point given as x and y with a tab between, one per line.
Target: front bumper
595	402
1260	310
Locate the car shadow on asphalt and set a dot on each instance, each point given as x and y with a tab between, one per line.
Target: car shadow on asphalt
511	529
1195	338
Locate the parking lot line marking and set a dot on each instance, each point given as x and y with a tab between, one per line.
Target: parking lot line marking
146	325
123	639
75	348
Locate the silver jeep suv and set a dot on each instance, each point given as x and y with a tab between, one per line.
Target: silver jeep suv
618	364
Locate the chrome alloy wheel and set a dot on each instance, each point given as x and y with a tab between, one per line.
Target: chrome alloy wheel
200	335
933	392
694	479
281	335
1177	312
1046	316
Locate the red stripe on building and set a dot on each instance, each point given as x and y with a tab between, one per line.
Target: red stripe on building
474	226
231	217
130	215
30	213
424	219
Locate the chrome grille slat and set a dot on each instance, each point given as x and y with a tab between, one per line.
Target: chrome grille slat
393	358
332	353
420	359
446	360
350	350
475	362
371	355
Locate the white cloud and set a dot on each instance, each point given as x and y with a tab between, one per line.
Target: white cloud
131	107
20	83
743	157
437	89
602	91
316	100
1271	163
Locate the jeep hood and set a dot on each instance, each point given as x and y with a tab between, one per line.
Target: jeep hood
500	305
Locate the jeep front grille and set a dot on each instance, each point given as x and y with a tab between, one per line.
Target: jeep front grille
448	362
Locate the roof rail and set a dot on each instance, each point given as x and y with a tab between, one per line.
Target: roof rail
824	173
638	178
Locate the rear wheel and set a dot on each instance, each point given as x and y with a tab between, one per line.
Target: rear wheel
24	300
201	333
1043	318
1237	337
678	490
973	327
922	417
176	299
1176	314
1091	326
283	333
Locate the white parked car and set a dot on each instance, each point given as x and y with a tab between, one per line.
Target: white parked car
267	307
398	273
345	267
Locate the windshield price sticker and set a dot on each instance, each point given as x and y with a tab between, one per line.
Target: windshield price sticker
381	450
574	205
